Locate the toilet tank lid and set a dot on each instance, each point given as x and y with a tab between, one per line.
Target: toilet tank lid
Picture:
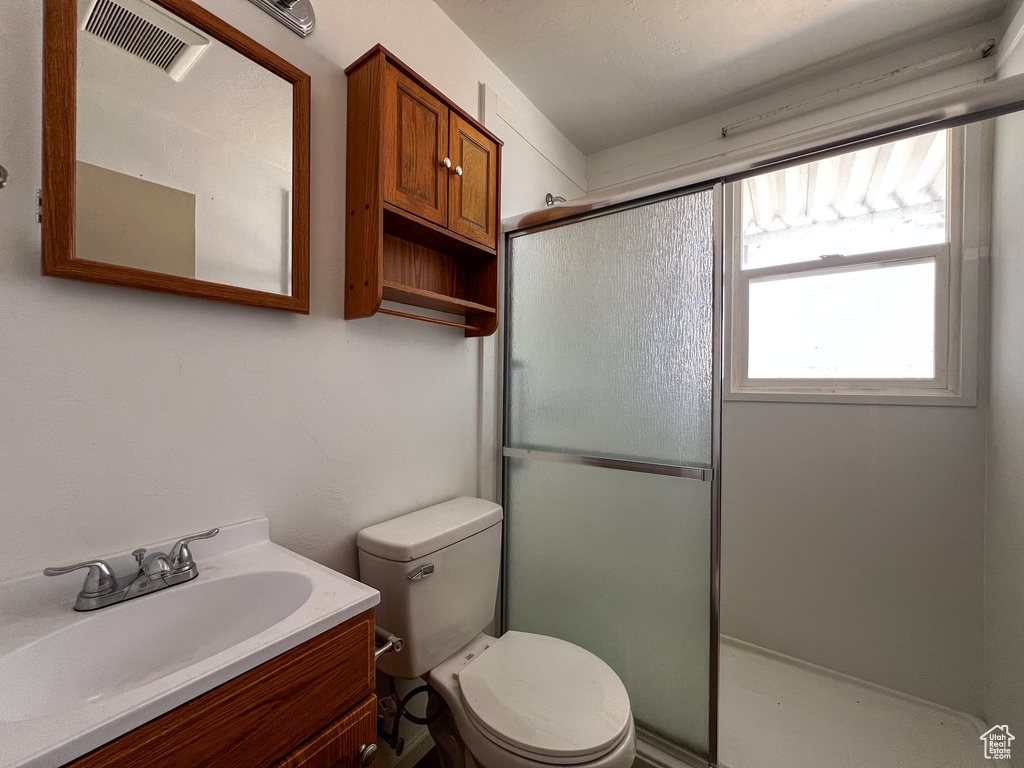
420	533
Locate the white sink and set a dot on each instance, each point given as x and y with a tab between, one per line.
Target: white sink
183	627
70	682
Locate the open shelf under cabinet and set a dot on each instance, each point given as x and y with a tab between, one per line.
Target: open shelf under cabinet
417	297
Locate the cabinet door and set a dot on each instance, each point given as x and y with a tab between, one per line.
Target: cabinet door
340	744
473	193
415	146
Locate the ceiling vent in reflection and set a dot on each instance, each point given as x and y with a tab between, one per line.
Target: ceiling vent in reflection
143	31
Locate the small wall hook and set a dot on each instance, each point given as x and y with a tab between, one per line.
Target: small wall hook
550	199
3	177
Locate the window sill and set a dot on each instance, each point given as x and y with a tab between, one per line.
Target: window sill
945	398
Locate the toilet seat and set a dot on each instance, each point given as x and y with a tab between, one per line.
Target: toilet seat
545	699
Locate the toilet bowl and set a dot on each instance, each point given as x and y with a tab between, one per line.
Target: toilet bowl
518	701
528	700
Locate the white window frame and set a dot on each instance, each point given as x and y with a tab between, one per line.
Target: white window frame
956	300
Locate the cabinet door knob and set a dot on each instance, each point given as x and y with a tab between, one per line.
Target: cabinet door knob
367	754
447	162
458	169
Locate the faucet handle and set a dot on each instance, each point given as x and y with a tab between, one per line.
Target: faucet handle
180	555
99	581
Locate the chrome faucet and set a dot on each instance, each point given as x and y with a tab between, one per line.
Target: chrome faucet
155	571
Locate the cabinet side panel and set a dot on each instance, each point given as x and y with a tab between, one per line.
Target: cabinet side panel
364	228
484	290
489	283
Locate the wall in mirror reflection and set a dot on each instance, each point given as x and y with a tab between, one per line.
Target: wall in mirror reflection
186	172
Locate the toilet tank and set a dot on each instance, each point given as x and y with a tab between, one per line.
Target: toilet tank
437	573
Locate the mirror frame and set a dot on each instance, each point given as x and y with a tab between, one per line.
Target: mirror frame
60	90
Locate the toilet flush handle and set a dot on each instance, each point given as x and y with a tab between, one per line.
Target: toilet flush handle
421	573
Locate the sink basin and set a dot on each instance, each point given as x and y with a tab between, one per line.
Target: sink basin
70	682
127	646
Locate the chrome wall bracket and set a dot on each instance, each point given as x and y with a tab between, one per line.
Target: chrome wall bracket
297	15
3	177
385	642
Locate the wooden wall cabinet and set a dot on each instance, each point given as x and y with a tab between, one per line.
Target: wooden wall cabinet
310	707
422	197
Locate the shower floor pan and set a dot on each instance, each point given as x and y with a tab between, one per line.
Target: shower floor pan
780	712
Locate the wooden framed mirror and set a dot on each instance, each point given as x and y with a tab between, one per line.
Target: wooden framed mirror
175	154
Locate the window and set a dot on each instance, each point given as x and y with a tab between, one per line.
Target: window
846	275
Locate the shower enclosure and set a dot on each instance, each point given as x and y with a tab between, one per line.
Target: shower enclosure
611	452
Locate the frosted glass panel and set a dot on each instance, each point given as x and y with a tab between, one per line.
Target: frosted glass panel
610	334
618	563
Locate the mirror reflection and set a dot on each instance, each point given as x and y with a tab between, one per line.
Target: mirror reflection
184	151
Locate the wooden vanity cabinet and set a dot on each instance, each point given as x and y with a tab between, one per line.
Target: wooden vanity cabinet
310	707
422	197
340	745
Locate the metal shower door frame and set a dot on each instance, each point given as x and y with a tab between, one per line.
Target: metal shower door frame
712	474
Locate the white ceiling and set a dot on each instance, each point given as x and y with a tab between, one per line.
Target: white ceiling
611	71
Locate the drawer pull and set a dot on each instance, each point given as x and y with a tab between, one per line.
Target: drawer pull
367	754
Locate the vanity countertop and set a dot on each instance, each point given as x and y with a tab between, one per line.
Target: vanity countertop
71	681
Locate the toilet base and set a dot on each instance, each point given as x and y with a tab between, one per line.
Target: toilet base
451	749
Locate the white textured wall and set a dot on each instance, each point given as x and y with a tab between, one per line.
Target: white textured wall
129	417
1004	533
852	537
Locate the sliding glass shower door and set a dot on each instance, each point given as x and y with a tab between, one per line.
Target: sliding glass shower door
610	450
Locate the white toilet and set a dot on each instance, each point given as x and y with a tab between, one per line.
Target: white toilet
518	701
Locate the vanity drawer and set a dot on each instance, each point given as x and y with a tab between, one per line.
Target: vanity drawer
341	744
258	718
